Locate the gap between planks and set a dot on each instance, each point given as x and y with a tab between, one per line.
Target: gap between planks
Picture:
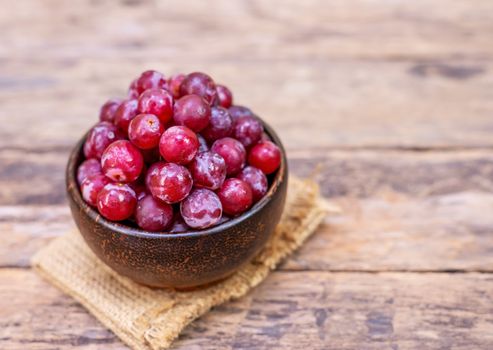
339	271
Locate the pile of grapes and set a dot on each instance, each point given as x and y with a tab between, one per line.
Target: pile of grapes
176	155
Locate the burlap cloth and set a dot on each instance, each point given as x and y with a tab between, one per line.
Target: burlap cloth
146	318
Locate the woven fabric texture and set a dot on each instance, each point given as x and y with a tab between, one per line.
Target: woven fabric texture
146	318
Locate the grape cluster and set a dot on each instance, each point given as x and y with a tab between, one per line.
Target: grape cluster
176	155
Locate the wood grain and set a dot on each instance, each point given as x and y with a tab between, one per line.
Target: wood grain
418	211
259	30
317	67
29	228
315	310
341	104
386	233
390	102
352	311
31	178
35	315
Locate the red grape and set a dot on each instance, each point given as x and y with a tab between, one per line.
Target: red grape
248	130
174	84
199	84
201	209
208	170
193	112
257	181
149	79
178	145
153	215
125	113
224	96
107	111
158	102
88	167
100	137
235	196
145	130
220	125
122	161
239	111
169	182
91	187
266	156
233	152
117	201
132	90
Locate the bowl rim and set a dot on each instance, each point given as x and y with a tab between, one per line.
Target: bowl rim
74	193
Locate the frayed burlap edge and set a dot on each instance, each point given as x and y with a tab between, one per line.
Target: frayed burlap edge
146	318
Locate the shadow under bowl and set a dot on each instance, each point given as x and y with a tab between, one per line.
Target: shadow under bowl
179	260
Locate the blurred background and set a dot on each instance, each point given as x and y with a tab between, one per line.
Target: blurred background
390	100
325	74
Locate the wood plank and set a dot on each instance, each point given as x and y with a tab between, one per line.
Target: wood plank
268	30
325	311
25	229
348	76
30	178
35	315
413	104
411	63
368	173
417	211
395	233
355	311
403	211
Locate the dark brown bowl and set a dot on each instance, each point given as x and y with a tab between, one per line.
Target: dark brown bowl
180	260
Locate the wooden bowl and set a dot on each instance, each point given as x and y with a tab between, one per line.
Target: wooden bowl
179	260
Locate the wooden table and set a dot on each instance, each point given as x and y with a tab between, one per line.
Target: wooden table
392	102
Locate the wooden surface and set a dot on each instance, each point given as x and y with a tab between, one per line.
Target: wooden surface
391	102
